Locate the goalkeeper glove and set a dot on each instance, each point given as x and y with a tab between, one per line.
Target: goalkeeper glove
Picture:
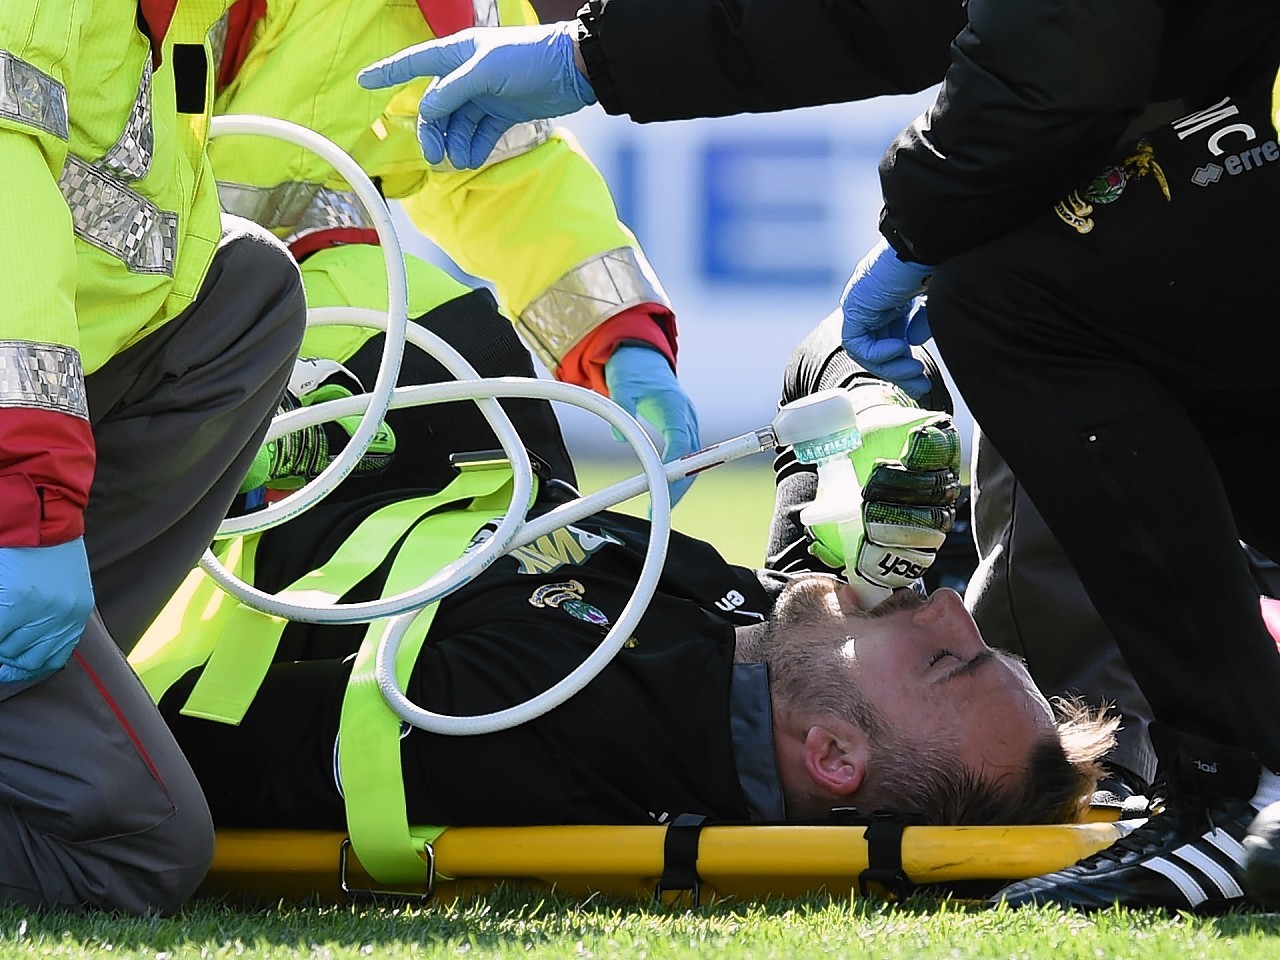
909	468
290	461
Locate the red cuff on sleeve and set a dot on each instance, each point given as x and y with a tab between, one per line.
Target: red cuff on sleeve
46	468
649	323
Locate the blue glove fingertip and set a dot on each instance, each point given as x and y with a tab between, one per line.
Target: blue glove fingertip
371	78
918	329
12	674
431	141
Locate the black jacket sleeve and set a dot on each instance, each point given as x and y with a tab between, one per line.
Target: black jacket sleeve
1036	97
677	59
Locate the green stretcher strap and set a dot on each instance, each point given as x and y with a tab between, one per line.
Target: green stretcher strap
369	730
186	631
248	639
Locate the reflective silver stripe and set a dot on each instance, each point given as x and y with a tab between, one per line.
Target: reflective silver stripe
106	212
486	12
130	157
218	41
296	205
42	376
31	96
113	218
521	138
562	315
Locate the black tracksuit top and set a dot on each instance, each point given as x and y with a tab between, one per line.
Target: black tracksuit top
1035	95
646	740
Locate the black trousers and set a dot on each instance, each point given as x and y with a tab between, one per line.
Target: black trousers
1121	351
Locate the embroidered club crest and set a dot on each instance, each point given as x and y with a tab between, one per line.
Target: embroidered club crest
582	610
1076	210
567	595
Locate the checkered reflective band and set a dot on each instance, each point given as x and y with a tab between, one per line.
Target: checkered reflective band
130	156
118	220
295	205
30	96
106	212
42	376
584	298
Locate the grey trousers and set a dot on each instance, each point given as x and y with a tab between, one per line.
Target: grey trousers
177	419
98	807
1027	599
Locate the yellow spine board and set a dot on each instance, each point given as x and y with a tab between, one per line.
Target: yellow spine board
745	861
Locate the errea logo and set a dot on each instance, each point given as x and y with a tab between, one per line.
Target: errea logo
1209	173
1237	163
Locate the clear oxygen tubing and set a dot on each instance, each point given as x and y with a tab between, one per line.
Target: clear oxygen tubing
463	570
397	317
471	564
395	323
372	407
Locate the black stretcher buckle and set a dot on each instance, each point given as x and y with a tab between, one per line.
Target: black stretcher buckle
883	837
369	895
680	858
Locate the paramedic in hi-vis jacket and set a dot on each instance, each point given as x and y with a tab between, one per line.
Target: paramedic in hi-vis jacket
144	341
536	219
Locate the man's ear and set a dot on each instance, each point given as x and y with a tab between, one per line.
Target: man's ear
836	762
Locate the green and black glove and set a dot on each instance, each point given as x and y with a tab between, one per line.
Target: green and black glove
290	461
909	469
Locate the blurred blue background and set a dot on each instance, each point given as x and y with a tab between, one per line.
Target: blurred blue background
753	223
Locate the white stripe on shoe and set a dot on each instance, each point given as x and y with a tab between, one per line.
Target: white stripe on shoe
1228	844
1185	883
1212	872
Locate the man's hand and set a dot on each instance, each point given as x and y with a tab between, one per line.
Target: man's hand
490	79
884	315
909	468
45	600
641	381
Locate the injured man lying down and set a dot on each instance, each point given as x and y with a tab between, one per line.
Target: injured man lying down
742	694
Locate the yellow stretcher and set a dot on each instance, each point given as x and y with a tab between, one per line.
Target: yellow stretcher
631	861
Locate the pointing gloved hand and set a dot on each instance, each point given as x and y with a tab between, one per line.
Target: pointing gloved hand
641	381
292	460
45	600
909	469
490	80
885	314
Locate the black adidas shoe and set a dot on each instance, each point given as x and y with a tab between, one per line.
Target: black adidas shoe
1187	857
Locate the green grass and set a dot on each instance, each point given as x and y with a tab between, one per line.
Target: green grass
509	924
729	506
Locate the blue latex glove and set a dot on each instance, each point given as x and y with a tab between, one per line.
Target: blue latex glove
640	380
490	80
45	599
885	314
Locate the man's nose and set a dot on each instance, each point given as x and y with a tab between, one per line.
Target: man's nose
942	604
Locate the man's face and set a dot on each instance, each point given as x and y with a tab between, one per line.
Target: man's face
920	664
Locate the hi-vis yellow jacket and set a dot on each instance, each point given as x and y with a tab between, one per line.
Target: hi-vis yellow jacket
1275	104
108	223
537	220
